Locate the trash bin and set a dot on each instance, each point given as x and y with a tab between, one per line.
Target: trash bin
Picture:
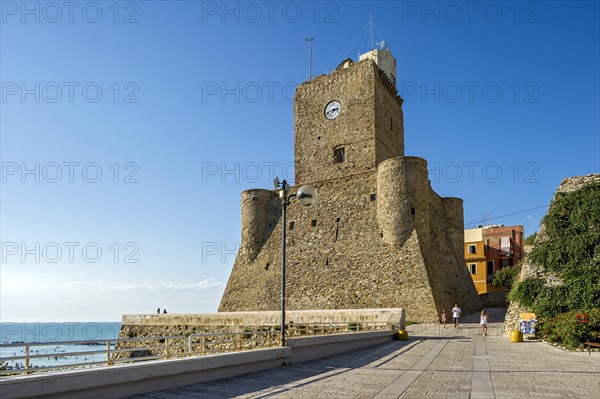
516	336
402	335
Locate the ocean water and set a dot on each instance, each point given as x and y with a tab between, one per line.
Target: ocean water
66	332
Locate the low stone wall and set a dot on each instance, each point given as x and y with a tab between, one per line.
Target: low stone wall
267	323
234	319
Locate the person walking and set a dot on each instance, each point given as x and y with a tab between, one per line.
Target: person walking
483	320
443	317
456	311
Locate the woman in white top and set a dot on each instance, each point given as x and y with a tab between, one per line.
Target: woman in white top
484	322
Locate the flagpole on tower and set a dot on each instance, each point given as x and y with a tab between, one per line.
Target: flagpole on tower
309	40
371	26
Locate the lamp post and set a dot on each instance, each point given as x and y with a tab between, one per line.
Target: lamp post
306	195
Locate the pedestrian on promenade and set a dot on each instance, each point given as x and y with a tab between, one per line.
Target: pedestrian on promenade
165	311
484	322
443	317
456	311
158	311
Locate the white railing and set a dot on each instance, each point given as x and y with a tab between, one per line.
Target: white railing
167	347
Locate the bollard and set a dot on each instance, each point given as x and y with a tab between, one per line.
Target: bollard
516	336
402	335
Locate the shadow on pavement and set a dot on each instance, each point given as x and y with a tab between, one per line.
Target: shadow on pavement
274	380
277	377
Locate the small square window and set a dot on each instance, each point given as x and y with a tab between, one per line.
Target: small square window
292	225
313	223
373	197
339	155
472	249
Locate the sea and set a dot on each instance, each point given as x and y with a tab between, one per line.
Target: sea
67	333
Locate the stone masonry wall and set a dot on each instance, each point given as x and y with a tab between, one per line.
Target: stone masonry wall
345	262
366	107
530	270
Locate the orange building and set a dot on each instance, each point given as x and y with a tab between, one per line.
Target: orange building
475	258
489	249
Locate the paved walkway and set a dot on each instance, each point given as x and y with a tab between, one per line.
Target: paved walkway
436	362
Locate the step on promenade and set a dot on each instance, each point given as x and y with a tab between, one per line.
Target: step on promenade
436	362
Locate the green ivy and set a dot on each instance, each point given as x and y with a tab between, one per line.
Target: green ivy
572	227
526	291
571	250
551	301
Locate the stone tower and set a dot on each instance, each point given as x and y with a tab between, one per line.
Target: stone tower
379	236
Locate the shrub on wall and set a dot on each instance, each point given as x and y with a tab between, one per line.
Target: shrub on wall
572	328
530	239
506	276
571	250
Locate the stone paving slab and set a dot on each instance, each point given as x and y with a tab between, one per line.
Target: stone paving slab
436	362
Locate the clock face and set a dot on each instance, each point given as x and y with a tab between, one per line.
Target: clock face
332	109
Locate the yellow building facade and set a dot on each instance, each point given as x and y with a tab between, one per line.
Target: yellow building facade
475	259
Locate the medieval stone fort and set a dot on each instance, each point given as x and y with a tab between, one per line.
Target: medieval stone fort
378	236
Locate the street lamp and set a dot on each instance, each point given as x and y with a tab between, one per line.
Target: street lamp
306	195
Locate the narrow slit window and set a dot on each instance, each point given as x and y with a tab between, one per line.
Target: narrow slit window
313	223
292	225
339	155
373	197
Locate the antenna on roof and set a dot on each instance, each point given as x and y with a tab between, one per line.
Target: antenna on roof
309	40
485	218
530	219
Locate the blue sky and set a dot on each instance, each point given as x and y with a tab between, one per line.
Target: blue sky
128	130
